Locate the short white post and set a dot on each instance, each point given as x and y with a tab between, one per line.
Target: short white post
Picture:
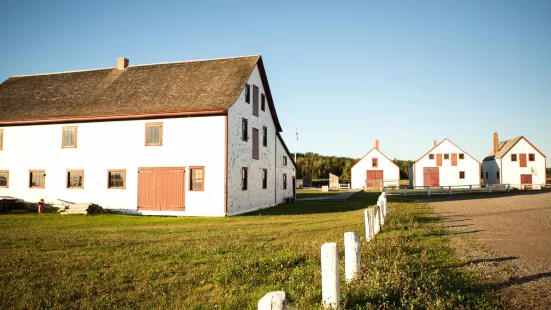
372	223
428	191
489	188
380	207
450	190
470	188
330	280
367	226
405	191
273	301
508	187
352	255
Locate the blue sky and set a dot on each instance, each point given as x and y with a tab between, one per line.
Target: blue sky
342	73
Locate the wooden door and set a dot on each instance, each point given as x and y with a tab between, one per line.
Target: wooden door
431	176
439	160
522	159
374	179
454	159
161	189
525	179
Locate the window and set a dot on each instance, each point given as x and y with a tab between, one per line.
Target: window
285	181
69	137
461	174
116	179
255	144
513	157
263	102
1	139
37	178
247	93
446	156
284	160
375	162
244	173
244	130
461	156
431	156
486	175
255	100
4	179
497	173
153	134
196	178
531	157
75	178
264	136
264	178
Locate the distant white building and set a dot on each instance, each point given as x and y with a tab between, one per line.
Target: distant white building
374	171
197	138
515	161
445	165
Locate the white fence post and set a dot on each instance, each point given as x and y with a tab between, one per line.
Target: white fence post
470	188
367	226
372	223
273	301
428	192
352	255
380	207
450	190
405	191
489	188
508	187
330	282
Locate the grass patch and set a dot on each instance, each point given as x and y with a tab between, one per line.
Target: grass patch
121	261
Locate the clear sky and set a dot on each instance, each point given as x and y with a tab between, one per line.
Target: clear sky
342	73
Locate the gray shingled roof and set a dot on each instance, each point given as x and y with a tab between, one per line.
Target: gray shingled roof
137	90
503	148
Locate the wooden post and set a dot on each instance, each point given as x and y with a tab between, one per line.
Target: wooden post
508	187
450	190
330	280
372	223
367	226
352	255
470	188
273	301
490	188
380	207
428	192
405	191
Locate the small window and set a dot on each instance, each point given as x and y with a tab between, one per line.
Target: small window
284	160
69	137
513	157
244	130
431	156
37	179
116	179
248	93
497	173
1	139
153	134
461	174
197	178
531	157
375	162
256	151
255	100
244	173
4	179
486	175
446	156
461	156
264	178
263	102
264	136
75	178
285	181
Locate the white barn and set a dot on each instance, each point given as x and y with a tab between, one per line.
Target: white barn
374	171
197	138
516	162
445	164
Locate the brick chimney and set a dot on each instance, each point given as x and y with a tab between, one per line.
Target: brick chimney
377	144
122	63
496	143
435	143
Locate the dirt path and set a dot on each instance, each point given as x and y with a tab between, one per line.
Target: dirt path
515	235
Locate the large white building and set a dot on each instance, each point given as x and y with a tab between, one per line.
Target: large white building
198	138
445	165
374	171
516	162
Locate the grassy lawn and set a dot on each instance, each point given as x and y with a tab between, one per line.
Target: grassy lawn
121	261
317	193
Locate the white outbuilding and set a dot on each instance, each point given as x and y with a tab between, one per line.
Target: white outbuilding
374	171
445	164
193	138
516	162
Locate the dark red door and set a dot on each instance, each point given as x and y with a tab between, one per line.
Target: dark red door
374	179
525	178
431	176
454	159
522	158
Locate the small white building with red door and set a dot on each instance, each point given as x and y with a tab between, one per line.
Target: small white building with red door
516	162
446	164
374	171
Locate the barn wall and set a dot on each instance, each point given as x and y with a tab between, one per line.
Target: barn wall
449	175
492	167
391	171
282	168
194	141
512	170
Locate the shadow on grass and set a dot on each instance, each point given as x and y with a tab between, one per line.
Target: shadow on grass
360	200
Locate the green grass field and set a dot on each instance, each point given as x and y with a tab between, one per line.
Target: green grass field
122	261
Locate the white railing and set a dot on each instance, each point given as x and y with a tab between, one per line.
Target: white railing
344	186
459	189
